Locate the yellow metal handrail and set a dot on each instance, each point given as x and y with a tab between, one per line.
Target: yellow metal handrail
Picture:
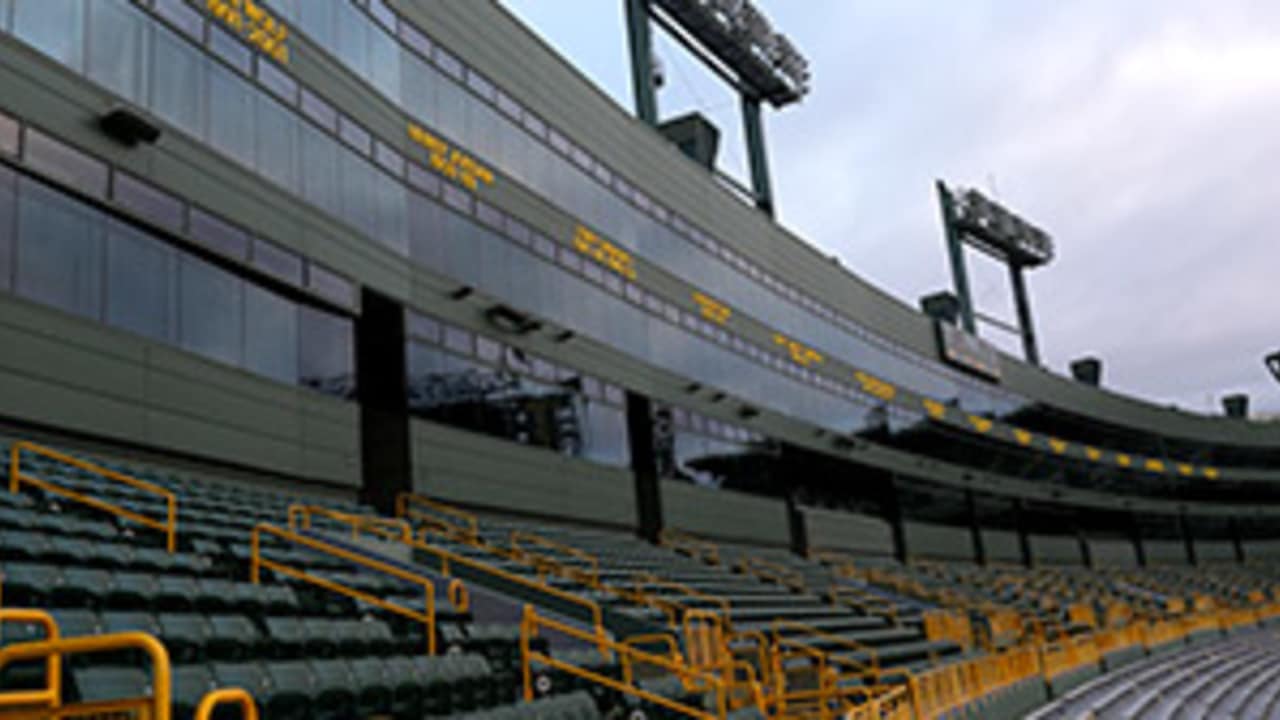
771	571
520	538
394	529
872	664
627	656
227	696
691	545
448	559
258	562
467	527
50	696
641	583
157	705
169	525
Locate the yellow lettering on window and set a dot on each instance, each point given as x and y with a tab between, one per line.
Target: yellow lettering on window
712	309
1059	446
801	355
1185	470
1211	473
252	22
875	387
1093	453
450	161
936	410
1022	436
1123	460
981	424
604	252
1154	465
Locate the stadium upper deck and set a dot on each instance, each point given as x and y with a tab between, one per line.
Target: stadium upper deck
386	246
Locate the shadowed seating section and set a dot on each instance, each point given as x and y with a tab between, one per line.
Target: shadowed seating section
546	620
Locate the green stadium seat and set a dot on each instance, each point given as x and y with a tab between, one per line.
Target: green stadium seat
233	638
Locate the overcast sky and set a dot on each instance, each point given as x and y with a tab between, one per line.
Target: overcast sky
1143	135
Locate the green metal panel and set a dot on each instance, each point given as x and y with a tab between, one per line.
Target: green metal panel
724	515
1113	552
1165	552
1056	550
479	471
947	542
1215	551
853	532
1001	546
69	373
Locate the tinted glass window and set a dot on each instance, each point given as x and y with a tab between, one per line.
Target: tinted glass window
212	310
270	335
328	352
177	83
8	222
60	251
277	143
141	280
116	58
219	235
54	27
65	163
231	111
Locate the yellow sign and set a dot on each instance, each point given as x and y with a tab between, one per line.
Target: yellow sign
604	252
1211	473
981	424
450	161
712	310
936	410
1059	446
255	24
1154	465
1123	460
1093	453
1022	436
803	356
875	387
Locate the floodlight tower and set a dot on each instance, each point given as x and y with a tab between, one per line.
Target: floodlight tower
736	41
969	218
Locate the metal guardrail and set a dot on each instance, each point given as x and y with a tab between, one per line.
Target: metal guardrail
49	705
17	479
694	680
464	525
228	696
257	563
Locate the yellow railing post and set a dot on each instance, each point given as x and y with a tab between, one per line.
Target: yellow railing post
227	696
52	694
257	561
169	526
161	684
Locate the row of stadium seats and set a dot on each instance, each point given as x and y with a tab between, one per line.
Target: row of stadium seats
334	627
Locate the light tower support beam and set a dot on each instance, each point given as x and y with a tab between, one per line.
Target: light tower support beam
640	41
753	130
955	250
1025	322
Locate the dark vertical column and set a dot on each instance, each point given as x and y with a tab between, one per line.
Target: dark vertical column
1135	532
893	514
1237	541
797	526
386	465
644	467
975	528
955	250
1188	539
1025	323
757	155
1086	553
1024	542
640	43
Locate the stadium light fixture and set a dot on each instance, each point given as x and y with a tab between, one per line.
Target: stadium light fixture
1273	364
971	218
